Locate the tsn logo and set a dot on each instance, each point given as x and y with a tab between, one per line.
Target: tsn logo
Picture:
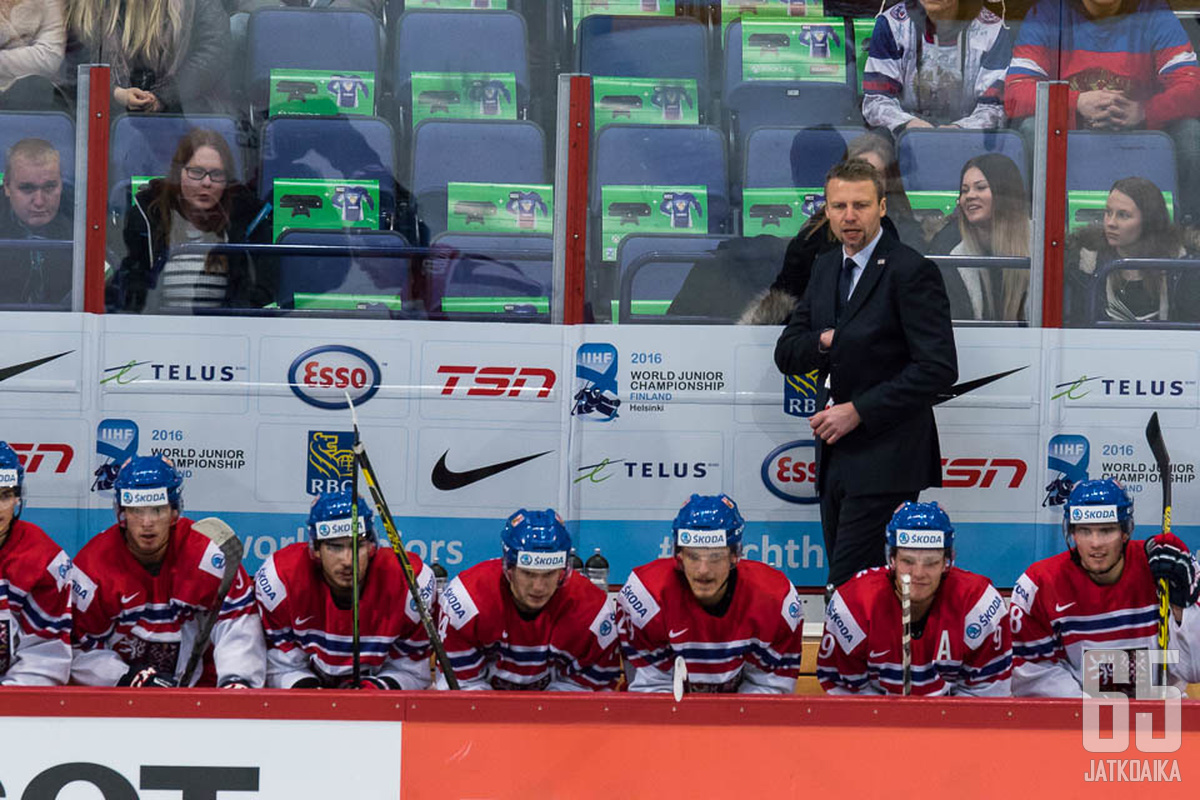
968	473
498	381
32	455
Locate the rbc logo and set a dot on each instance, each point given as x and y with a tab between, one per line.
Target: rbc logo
800	394
330	461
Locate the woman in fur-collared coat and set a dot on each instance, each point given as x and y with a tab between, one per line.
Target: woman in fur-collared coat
32	40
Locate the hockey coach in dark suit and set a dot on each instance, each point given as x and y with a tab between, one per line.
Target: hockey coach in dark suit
875	322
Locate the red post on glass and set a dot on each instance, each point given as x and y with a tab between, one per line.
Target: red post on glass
1054	240
97	189
578	141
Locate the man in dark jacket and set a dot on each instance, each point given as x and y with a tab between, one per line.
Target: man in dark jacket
33	209
874	319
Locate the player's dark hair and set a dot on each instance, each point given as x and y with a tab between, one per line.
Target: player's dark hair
856	170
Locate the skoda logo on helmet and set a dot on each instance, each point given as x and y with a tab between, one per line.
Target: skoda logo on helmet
526	559
902	538
685	537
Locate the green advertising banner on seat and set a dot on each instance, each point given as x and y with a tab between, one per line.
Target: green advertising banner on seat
474	4
624	8
325	204
931	208
500	208
463	95
863	28
646	101
1085	207
651	209
806	49
779	212
321	92
136	183
747	10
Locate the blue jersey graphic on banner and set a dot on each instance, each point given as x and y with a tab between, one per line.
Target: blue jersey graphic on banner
596	393
116	440
330	458
1068	456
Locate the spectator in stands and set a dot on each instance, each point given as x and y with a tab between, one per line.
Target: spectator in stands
32	208
199	202
373	6
170	56
1136	225
992	219
32	41
936	63
1129	64
775	305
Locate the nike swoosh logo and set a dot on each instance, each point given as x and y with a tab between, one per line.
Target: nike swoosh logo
17	369
448	480
1057	607
300	622
125	598
959	389
673	634
873	654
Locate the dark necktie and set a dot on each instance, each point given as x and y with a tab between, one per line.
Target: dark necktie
844	283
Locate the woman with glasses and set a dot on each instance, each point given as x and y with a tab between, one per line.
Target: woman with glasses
200	203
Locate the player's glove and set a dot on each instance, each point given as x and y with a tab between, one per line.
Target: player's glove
371	682
139	677
1170	560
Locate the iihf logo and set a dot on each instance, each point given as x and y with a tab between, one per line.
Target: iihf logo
1067	455
596	382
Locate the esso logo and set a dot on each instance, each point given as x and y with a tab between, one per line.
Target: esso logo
323	376
790	471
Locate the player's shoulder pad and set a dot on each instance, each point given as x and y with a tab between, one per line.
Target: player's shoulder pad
83	589
604	625
457	603
427	585
1024	592
840	622
985	617
637	601
269	588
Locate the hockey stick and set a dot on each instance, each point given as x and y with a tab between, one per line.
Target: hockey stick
385	515
231	547
355	641
1158	447
906	633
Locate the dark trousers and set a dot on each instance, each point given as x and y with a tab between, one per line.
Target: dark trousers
854	525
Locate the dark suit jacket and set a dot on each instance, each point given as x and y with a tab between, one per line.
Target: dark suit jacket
892	354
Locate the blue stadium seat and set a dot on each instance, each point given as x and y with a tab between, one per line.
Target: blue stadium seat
306	38
55	127
657	280
359	274
480	265
646	47
1095	160
932	160
459	41
143	145
793	156
647	155
479	151
351	148
758	103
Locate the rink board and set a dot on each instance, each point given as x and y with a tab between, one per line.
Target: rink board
252	410
139	744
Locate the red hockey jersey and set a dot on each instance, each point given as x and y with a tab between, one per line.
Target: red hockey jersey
308	636
1058	612
965	647
35	609
571	645
753	648
123	615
